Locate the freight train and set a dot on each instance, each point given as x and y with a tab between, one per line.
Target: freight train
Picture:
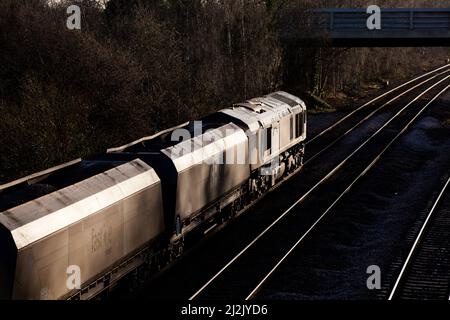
130	209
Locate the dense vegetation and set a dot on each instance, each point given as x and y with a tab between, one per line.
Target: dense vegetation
138	66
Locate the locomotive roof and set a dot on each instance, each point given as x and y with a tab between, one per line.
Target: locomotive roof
156	137
41	217
205	146
265	110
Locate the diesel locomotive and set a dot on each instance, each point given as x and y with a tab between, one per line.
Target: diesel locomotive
131	208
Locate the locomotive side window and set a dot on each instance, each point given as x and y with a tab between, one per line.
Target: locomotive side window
268	139
298	125
291	124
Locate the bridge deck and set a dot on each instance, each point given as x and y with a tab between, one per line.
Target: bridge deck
399	27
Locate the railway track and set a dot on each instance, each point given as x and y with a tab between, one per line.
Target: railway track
381	100
331	136
425	272
243	265
375	223
327	139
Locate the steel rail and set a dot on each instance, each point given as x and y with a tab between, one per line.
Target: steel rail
371	115
276	186
377	158
418	239
375	100
303	197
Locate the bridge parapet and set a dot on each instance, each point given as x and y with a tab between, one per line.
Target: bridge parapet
399	27
391	19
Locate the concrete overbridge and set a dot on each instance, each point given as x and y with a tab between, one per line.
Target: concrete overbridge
349	28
